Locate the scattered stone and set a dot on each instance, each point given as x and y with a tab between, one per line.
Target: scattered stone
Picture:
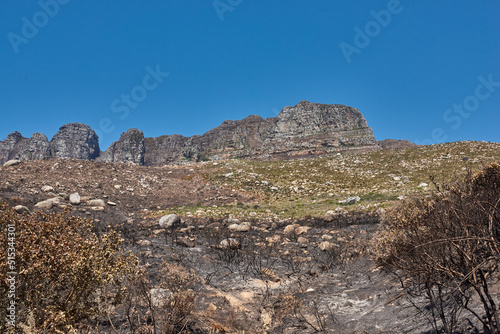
302	240
56	200
170	221
350	200
97	202
22	209
75	199
326	237
326	246
11	163
423	185
47	189
44	204
97	208
289	229
244	227
111	203
302	229
144	243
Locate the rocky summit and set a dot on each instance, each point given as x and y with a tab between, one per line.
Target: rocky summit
307	129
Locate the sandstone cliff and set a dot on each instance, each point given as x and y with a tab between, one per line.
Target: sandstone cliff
129	148
307	129
75	140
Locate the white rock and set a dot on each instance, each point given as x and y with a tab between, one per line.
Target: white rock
11	163
47	189
422	185
112	203
75	198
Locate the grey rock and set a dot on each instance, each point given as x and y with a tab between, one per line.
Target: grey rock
169	221
75	199
129	148
11	146
350	200
36	148
11	163
75	140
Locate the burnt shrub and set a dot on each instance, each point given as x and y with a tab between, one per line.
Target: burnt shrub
446	248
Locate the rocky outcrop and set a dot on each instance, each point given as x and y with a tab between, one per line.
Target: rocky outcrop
36	148
307	129
11	146
303	130
129	148
15	146
75	140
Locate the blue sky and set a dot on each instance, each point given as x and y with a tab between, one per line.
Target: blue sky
427	71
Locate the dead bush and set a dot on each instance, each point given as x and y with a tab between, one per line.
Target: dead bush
447	249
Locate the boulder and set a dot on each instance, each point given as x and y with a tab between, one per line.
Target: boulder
75	199
11	163
22	209
169	221
244	227
97	203
44	204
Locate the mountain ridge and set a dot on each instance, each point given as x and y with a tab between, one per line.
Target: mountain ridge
306	129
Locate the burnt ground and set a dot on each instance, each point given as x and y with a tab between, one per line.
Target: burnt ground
272	278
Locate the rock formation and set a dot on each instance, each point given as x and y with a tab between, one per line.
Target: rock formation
129	148
307	129
303	130
75	140
15	146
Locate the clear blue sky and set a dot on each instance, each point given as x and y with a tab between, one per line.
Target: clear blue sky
80	61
